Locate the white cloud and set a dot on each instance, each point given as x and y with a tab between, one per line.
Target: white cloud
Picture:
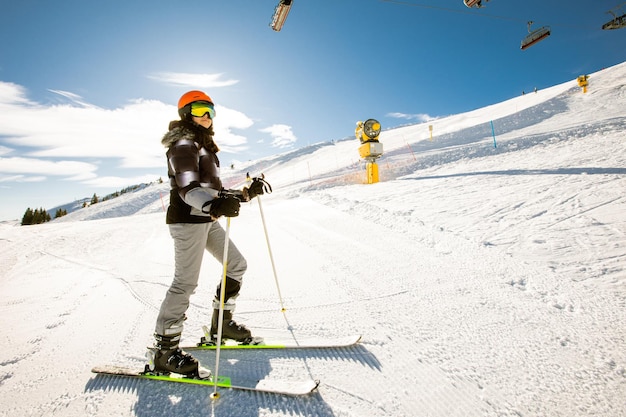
192	80
131	133
46	139
33	179
12	178
225	121
75	98
419	116
120	182
4	150
23	178
21	166
282	135
12	94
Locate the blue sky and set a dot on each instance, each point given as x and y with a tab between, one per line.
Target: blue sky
87	87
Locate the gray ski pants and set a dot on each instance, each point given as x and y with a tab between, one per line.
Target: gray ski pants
190	242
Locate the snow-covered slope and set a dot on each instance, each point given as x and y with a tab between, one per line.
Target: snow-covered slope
486	281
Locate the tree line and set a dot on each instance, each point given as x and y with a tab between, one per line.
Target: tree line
40	215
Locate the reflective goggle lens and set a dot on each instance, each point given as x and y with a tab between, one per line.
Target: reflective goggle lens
199	109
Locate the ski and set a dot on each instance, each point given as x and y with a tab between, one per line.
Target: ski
283	342
272	386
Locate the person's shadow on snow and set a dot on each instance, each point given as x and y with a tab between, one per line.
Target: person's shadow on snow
158	398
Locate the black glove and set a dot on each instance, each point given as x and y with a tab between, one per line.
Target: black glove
223	206
258	187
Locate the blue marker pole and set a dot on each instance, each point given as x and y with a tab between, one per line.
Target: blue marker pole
493	132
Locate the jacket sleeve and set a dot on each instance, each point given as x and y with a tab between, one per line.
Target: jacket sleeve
184	165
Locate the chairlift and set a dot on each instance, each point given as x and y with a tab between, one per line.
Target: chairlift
280	14
617	22
474	3
535	36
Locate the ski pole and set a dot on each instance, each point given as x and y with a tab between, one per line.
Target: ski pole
269	248
268	188
220	322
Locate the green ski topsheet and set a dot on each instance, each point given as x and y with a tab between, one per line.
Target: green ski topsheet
295	388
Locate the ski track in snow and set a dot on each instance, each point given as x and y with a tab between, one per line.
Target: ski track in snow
485	281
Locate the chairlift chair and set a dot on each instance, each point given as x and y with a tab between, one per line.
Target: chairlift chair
474	3
280	14
617	22
535	36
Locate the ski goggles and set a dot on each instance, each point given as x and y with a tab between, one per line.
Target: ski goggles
200	108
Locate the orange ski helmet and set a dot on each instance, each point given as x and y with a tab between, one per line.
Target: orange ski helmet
184	103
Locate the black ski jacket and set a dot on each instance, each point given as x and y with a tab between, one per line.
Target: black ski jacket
193	170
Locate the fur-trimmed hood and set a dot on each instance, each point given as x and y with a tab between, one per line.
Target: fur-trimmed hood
181	129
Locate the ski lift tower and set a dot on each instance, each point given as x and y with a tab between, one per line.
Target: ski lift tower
371	149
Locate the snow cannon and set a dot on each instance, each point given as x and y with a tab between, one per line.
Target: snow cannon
583	82
371	149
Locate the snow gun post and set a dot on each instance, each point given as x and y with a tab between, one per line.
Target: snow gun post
583	82
371	149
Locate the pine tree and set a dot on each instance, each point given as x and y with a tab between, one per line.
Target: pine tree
36	216
28	217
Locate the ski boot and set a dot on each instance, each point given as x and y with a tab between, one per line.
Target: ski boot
166	357
230	329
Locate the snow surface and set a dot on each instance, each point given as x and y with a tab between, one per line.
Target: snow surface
486	281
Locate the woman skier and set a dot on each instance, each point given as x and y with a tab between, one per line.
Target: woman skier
197	200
